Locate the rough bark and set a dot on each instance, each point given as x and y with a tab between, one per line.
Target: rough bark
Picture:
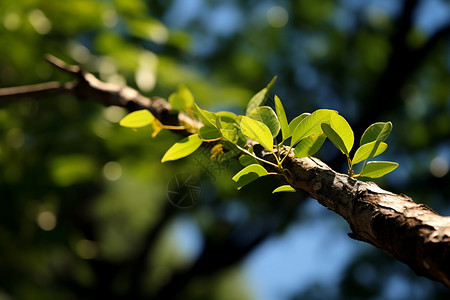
410	232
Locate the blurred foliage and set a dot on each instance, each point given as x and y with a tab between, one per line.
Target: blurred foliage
84	210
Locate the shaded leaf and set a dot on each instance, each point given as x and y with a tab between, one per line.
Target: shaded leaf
137	119
260	97
249	174
375	169
309	145
183	148
208	118
376	132
284	188
334	138
267	116
209	133
247	160
285	131
368	150
257	131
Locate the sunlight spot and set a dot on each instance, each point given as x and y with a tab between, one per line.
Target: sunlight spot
109	18
40	22
87	249
12	21
439	166
79	52
15	138
145	75
277	16
114	113
46	220
112	170
159	33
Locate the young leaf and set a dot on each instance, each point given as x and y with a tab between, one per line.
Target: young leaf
136	119
208	133
230	135
311	124
375	169
309	145
208	118
344	131
183	148
297	121
368	150
334	138
257	131
260	97
284	188
249	174
157	127
285	131
376	132
267	116
181	99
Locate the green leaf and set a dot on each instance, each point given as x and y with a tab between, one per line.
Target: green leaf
334	138
136	119
247	160
260	97
208	133
257	131
285	131
183	148
368	150
375	169
249	174
284	188
230	135
181	99
297	121
309	145
344	131
311	124
376	132
267	116
208	118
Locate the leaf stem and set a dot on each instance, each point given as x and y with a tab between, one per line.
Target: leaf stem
256	157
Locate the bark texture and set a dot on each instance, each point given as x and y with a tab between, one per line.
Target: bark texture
412	233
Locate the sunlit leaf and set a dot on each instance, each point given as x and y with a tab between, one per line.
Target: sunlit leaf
285	131
260	97
309	145
369	150
136	119
284	188
375	169
376	132
209	133
257	131
249	174
267	116
183	148
297	121
344	131
311	124
181	99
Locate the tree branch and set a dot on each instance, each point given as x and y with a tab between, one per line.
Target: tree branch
410	232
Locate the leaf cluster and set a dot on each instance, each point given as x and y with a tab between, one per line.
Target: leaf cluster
303	136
